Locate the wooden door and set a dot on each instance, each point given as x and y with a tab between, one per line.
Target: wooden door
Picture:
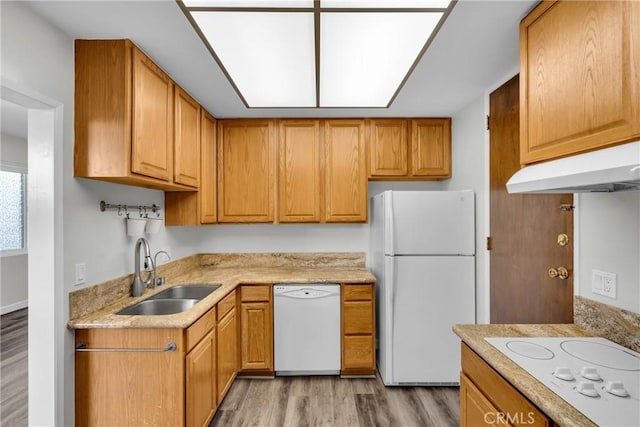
345	171
475	409
388	148
431	147
246	167
208	175
187	140
152	126
524	231
256	323
299	172
579	63
201	382
227	353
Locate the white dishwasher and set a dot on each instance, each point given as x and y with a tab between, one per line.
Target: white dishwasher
306	323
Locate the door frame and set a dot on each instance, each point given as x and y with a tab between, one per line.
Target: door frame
484	311
46	325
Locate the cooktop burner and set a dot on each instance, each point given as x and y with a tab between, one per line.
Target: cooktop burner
598	377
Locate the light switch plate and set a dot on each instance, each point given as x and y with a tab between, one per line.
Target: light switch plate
604	283
81	273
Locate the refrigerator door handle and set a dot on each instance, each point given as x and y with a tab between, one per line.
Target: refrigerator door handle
388	226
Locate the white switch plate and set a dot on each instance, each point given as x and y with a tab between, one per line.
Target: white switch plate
81	273
604	283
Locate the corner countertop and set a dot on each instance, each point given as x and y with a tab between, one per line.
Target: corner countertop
229	279
547	401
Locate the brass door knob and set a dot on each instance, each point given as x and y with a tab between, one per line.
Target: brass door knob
560	272
563	239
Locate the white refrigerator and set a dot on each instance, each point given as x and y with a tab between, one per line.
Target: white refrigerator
423	257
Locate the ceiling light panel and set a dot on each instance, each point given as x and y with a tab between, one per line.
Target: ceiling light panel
364	57
250	3
269	56
385	4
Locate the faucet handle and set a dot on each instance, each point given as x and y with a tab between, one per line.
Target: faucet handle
160	281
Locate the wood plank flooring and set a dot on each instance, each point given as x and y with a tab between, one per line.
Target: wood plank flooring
13	369
335	402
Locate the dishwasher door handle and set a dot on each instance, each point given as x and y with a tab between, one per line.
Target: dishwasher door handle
304	294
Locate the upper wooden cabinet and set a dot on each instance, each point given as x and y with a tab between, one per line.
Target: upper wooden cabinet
579	77
124	116
299	171
345	171
246	169
418	149
187	140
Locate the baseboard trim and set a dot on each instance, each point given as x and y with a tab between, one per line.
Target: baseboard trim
14	307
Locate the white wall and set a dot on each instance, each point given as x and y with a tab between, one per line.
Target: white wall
13	268
609	240
469	160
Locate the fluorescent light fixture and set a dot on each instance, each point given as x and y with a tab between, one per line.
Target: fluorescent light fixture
269	56
365	56
315	54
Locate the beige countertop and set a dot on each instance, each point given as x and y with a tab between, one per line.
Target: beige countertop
228	278
541	396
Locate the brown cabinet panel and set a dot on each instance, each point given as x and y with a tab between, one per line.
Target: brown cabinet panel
475	409
358	329
357	292
256	336
227	353
431	147
358	353
208	170
358	318
226	304
346	175
187	139
201	395
246	166
200	328
299	172
579	85
388	148
260	293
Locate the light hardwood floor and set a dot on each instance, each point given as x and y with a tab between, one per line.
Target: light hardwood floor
335	402
13	369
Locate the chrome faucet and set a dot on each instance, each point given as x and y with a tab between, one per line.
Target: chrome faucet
138	286
160	280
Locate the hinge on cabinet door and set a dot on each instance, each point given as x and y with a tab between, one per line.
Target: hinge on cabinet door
567	207
489	243
488	119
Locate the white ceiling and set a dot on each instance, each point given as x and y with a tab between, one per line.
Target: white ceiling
14	119
476	47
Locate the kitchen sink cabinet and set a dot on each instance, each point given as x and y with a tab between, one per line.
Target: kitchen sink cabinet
358	331
403	149
201	396
345	171
579	85
246	170
256	330
227	344
124	117
488	399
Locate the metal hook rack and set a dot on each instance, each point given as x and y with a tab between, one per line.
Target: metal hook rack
142	209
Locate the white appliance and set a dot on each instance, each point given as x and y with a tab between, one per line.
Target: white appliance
306	323
598	377
422	251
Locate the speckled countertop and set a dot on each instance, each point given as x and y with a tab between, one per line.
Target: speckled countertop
87	310
541	396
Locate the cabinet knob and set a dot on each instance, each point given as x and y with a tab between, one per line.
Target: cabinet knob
560	272
563	239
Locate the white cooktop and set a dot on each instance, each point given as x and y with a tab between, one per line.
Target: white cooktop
598	377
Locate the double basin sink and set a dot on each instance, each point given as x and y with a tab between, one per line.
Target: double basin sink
172	300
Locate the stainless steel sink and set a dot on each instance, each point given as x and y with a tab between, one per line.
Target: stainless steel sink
159	306
185	292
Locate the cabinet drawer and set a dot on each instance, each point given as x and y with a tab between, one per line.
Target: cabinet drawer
255	293
357	318
357	352
226	305
200	328
357	292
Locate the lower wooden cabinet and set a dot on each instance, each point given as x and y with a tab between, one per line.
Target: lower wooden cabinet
358	332
227	344
256	330
487	399
201	393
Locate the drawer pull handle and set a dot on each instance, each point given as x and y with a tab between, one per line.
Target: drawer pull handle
170	347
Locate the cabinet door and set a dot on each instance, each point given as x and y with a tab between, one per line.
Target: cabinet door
152	125
358	331
246	166
475	409
345	171
207	193
201	382
187	140
227	353
579	81
431	147
256	322
299	178
388	141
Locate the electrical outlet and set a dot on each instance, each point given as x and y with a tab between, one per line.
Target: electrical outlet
81	273
604	283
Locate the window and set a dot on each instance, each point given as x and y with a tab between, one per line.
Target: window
12	211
